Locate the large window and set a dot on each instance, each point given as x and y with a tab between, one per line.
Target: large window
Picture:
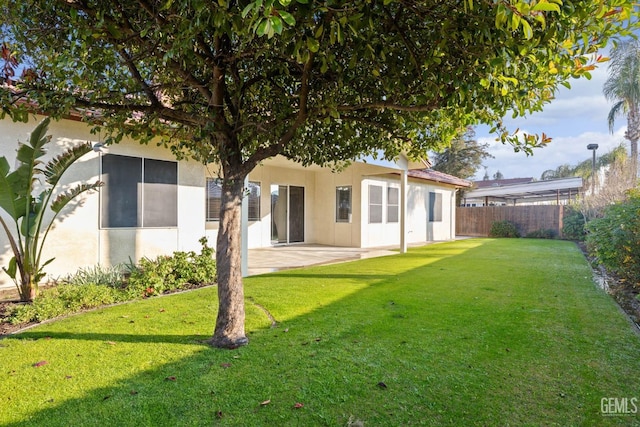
435	207
214	199
343	204
393	203
138	192
375	204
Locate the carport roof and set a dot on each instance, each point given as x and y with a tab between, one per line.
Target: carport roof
532	191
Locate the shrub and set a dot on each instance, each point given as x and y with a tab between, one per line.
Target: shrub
573	227
62	300
167	273
98	286
503	229
542	234
99	275
614	240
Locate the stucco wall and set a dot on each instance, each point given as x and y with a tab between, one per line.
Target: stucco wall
77	240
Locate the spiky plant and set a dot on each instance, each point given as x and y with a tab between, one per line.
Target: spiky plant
27	211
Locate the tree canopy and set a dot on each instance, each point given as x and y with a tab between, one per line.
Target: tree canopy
463	157
623	88
323	82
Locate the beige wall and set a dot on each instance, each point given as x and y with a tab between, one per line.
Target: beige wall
76	240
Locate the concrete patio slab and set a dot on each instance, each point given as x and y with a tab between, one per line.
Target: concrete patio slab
267	260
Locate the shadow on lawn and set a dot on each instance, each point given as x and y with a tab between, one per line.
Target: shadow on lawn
106	337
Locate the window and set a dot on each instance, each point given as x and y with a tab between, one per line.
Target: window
214	199
138	192
343	204
254	201
375	204
435	207
393	199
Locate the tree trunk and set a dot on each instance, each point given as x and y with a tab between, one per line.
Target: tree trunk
229	331
633	135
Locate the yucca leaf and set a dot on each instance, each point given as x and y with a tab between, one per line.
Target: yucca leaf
63	199
56	167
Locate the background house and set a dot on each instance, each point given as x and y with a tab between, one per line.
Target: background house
152	204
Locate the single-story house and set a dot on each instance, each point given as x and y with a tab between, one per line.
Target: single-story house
152	204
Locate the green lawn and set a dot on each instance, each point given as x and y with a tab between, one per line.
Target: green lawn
474	332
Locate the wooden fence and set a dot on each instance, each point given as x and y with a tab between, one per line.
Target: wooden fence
476	221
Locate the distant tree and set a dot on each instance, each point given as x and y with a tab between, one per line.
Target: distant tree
498	175
463	157
320	82
486	174
623	87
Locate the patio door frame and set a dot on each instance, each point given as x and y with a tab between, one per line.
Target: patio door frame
298	210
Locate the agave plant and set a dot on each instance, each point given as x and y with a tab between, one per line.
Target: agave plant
20	199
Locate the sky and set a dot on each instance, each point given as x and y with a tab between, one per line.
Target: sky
575	118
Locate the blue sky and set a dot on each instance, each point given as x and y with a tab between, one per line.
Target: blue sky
576	118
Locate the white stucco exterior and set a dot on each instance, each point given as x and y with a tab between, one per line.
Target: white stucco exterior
79	241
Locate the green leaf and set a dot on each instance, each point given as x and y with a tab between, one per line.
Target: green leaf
528	32
63	199
285	3
11	270
248	8
287	17
544	6
276	24
313	44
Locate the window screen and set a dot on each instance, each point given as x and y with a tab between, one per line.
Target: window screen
214	199
138	192
375	204
435	207
254	201
393	199
343	204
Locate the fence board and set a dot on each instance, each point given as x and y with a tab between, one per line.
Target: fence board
476	221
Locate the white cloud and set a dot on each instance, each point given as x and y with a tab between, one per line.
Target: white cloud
576	118
562	150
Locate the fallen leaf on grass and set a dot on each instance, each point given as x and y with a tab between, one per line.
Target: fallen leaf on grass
382	385
171	378
298	405
265	403
111	342
106	398
68	377
219	414
162	310
40	363
133	392
225	365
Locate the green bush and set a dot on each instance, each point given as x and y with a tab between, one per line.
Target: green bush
99	275
614	240
503	229
167	273
98	286
573	227
542	234
64	299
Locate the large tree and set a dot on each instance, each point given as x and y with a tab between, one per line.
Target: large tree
463	157
318	81
623	88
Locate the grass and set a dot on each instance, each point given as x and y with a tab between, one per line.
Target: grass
474	332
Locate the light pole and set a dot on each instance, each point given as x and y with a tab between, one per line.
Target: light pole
593	147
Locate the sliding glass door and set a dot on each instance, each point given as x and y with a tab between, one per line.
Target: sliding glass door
287	214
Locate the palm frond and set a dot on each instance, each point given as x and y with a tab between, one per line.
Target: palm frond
63	199
616	110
